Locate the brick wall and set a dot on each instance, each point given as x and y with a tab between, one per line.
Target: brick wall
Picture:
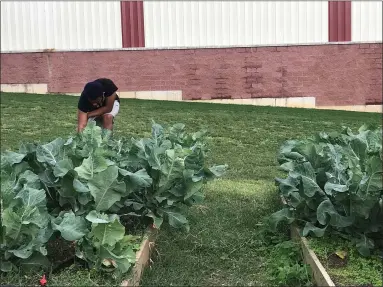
348	74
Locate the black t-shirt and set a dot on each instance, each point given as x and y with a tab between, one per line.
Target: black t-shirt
109	88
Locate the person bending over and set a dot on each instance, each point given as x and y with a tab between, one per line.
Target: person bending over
98	101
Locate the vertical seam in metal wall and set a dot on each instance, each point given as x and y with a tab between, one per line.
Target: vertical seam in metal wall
339	21
347	19
132	24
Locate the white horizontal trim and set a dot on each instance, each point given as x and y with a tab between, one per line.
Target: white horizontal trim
297	102
24	88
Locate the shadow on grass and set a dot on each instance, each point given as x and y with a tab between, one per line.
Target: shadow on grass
226	244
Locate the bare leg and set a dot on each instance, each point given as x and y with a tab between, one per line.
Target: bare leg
107	121
82	120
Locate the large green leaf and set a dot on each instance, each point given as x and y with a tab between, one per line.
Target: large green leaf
107	233
48	178
11	158
96	217
306	174
27	216
137	179
27	148
52	152
177	220
25	220
35	262
7	189
92	135
327	214
362	204
62	167
287	185
71	227
23	252
191	188
32	197
123	258
295	199
364	245
310	228
330	188
277	217
172	168
6	266
157	221
28	179
80	187
359	147
92	165
105	188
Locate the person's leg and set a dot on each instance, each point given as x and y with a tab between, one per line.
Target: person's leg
97	120
108	118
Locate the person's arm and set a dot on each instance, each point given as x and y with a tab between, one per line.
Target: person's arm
82	120
106	109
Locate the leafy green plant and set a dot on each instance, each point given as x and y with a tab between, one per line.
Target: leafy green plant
286	267
82	187
334	183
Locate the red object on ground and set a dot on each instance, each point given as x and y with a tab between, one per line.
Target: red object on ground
43	281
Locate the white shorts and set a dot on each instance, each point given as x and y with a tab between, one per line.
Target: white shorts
113	112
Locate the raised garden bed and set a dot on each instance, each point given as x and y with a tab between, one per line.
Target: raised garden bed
142	259
344	264
335	262
334	193
318	272
85	202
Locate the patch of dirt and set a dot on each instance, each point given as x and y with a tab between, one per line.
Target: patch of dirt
135	225
334	261
60	252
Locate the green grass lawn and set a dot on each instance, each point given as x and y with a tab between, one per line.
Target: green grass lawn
226	245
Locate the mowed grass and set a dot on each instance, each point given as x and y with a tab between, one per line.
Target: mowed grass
224	246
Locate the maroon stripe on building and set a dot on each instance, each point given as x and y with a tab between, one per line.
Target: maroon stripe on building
339	21
132	24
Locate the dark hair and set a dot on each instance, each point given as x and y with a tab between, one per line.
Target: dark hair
93	90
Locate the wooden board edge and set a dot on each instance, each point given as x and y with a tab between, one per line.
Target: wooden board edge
321	277
142	259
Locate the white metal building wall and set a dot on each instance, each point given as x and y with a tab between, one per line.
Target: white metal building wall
366	17
222	23
31	25
67	25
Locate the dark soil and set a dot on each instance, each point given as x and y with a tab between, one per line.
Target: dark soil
135	225
335	261
60	252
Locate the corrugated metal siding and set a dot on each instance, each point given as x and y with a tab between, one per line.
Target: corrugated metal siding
366	21
132	23
221	23
339	21
30	25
